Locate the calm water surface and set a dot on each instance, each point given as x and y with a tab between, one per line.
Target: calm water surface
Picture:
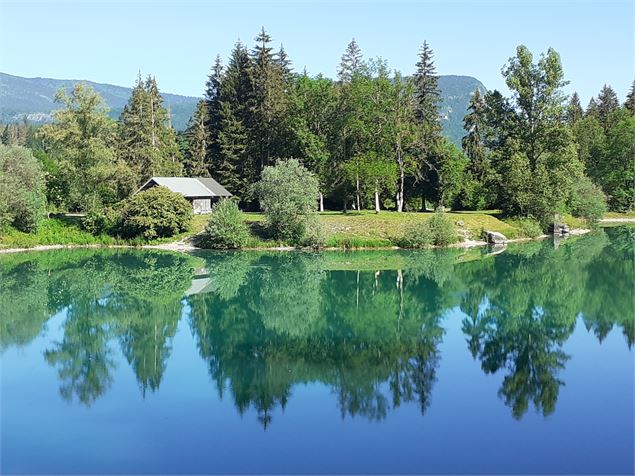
120	361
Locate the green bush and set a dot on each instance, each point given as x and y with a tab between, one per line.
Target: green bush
588	201
416	235
155	213
22	189
438	230
225	228
528	228
288	195
99	222
442	229
314	235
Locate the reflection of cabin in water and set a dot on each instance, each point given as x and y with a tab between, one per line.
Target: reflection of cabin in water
201	283
201	192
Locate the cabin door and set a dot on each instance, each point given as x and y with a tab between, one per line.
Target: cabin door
202	205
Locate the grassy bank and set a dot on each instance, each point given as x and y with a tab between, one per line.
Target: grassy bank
364	229
367	229
67	231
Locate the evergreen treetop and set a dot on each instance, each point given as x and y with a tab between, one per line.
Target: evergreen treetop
574	109
351	63
629	104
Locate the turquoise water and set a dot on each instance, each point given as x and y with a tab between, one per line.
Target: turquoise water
454	361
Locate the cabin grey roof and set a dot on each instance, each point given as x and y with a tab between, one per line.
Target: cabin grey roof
189	187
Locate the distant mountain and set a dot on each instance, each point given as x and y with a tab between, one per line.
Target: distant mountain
456	92
33	98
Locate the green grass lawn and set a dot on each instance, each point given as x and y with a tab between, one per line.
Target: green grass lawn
390	226
630	214
373	230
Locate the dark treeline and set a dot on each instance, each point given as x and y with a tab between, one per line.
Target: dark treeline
371	136
265	321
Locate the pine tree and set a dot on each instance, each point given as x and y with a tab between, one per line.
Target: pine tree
574	109
196	134
146	141
230	163
285	65
234	170
352	62
212	111
8	135
630	100
15	134
270	102
427	98
473	123
592	108
607	103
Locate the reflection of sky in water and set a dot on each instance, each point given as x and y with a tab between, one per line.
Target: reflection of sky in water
186	427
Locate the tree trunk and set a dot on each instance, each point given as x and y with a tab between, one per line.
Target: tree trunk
154	142
357	293
357	194
344	209
376	201
321	202
401	300
400	191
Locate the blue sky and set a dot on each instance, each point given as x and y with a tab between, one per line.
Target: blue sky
177	41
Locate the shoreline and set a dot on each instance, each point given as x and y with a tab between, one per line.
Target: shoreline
185	246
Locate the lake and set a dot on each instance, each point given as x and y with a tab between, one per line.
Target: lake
516	360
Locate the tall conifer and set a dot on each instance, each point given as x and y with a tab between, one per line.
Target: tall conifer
574	109
351	63
195	160
427	98
607	103
630	100
146	141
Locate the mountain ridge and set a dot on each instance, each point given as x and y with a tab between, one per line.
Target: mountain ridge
34	98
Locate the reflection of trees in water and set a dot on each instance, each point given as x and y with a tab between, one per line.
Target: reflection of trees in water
105	294
146	340
23	302
270	321
522	307
609	298
83	357
529	348
365	335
